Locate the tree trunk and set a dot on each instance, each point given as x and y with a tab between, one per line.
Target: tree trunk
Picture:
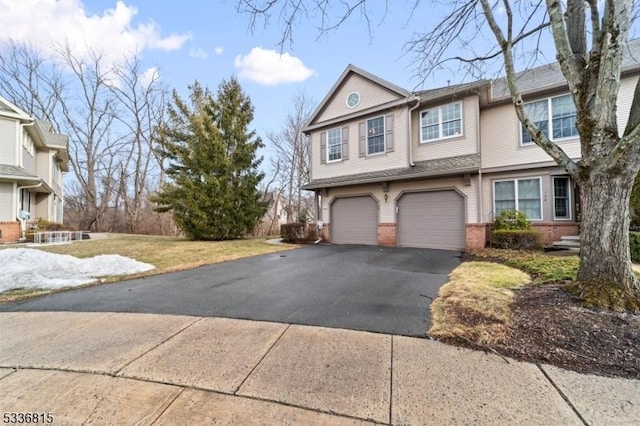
605	276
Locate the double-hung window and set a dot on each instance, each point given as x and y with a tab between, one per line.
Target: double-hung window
518	194
375	136
556	117
561	198
334	145
441	122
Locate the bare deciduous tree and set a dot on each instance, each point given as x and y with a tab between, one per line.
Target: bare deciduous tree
589	39
292	159
110	113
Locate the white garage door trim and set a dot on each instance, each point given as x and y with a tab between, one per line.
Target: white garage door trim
431	219
354	220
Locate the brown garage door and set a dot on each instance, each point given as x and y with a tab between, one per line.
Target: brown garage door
354	220
433	219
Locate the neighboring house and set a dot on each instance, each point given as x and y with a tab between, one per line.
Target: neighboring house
275	214
433	168
33	159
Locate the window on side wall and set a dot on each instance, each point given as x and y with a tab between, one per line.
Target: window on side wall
561	198
375	136
518	194
557	114
441	122
334	145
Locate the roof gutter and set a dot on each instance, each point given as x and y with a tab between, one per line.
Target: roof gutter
19	152
409	126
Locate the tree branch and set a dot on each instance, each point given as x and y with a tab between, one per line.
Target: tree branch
538	136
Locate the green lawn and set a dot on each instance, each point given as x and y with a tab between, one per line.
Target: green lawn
167	254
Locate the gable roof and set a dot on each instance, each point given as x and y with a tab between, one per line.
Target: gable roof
352	69
10	110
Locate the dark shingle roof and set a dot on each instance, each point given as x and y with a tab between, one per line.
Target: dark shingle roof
550	76
429	168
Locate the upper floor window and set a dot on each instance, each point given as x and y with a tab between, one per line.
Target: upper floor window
334	144
55	171
28	144
441	122
518	194
375	136
556	114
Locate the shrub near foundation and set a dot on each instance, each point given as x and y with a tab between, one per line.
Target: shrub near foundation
516	239
512	230
298	233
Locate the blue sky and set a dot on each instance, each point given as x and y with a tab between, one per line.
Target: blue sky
210	41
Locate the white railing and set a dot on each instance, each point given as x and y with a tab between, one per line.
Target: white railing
56	237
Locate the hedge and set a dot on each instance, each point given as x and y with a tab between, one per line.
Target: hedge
298	232
516	239
634	245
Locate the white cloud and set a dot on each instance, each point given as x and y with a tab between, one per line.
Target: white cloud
150	75
269	67
198	52
219	50
46	23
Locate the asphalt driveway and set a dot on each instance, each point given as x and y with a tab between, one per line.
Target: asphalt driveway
385	290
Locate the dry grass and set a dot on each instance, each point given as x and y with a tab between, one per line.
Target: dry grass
476	303
167	254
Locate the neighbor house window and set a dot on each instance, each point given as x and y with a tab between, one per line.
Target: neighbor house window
441	122
334	144
557	114
518	194
375	135
561	197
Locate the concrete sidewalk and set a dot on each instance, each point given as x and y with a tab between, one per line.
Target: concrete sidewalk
107	368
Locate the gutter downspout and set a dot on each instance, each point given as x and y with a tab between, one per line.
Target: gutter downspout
23	226
409	127
21	139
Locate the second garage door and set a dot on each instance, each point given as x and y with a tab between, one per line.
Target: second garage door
354	220
432	219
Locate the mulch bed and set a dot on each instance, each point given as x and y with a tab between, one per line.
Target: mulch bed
550	326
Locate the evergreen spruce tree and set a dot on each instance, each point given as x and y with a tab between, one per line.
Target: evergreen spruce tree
212	164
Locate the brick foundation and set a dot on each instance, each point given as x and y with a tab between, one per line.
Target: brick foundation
479	234
387	234
9	232
553	231
476	235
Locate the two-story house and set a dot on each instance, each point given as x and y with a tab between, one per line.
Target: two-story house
433	168
33	158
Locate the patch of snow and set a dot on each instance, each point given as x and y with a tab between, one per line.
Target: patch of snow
29	268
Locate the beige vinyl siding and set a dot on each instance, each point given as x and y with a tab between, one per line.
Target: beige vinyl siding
44	166
500	136
450	147
387	210
7	202
8	143
546	176
500	133
29	161
43	207
371	95
625	99
356	164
